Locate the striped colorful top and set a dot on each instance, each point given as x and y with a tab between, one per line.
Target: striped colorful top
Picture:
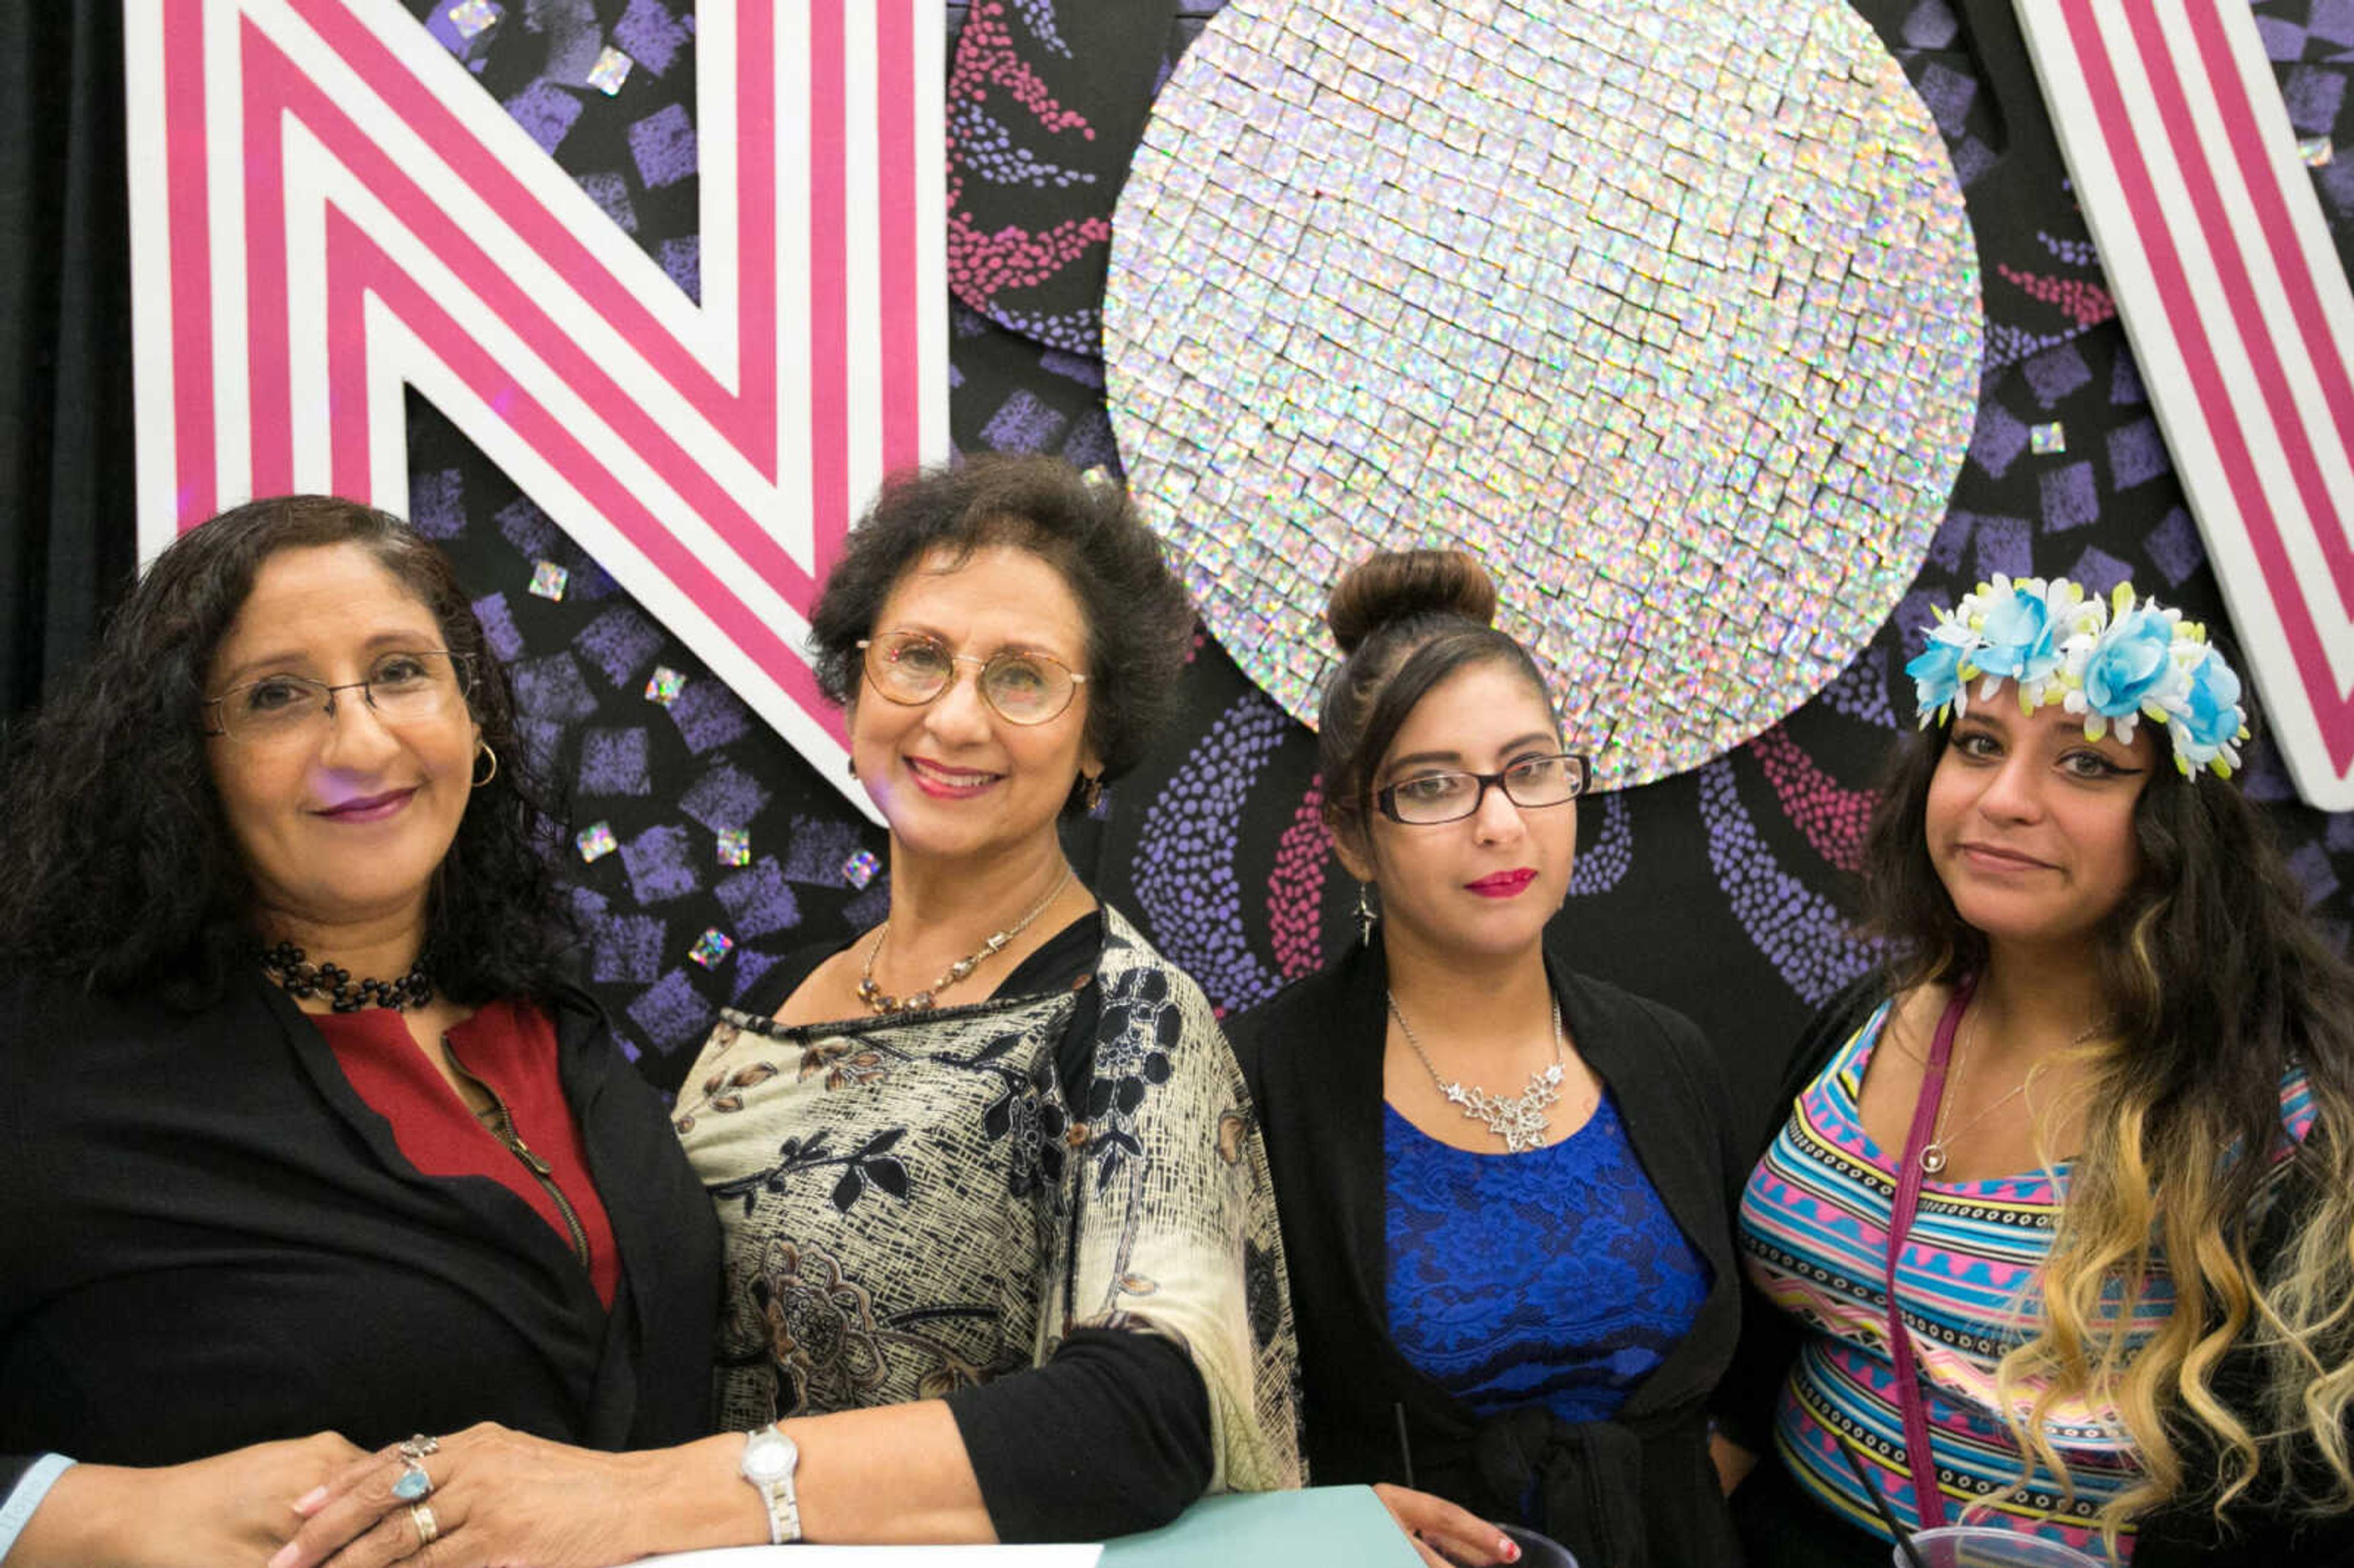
1814	1231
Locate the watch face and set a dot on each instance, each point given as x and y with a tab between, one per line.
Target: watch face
769	1455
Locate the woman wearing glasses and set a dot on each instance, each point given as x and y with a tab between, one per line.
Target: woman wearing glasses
301	1130
1503	1185
1002	1254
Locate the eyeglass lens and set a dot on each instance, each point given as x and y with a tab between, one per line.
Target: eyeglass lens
400	687
1024	687
1446	796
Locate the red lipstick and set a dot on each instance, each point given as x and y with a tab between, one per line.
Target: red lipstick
1503	884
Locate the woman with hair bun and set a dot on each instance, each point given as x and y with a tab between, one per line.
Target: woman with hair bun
1503	1185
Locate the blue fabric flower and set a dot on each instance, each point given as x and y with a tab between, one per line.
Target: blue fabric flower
2209	716
2019	644
2131	661
1937	675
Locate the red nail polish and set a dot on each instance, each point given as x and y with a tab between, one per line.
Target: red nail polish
1512	1550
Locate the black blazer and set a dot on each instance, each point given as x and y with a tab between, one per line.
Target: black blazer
1637	1490
208	1239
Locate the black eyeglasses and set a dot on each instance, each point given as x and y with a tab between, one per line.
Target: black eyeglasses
1533	782
401	688
1025	687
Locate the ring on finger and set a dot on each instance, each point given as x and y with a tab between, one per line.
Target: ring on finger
417	1447
429	1529
412	1485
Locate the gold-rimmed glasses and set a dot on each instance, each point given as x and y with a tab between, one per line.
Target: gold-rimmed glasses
1024	686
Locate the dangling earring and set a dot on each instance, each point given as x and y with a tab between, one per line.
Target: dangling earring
493	756
1367	915
850	766
1090	792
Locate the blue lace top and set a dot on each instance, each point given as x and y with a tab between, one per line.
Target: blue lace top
1552	1277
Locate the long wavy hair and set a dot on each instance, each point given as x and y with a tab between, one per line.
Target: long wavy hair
2218	985
117	867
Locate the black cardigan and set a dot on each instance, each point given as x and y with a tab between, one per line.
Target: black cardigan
2259	1532
1637	1490
207	1239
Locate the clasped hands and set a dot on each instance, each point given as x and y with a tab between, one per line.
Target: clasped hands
496	1499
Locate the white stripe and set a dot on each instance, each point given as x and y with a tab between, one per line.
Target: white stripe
145	138
862	389
225	214
931	226
792	519
719	278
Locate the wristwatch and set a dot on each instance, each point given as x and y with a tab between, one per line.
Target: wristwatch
770	1458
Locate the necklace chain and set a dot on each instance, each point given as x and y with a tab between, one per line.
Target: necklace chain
288	966
1934	1157
1520	1121
879	1001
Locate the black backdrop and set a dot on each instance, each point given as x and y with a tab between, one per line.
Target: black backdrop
1718	891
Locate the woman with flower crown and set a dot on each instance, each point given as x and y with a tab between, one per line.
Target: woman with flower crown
2059	1234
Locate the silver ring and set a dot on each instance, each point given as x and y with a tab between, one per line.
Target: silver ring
412	1485
429	1529
417	1447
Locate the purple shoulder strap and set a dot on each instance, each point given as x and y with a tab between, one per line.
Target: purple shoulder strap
1929	1502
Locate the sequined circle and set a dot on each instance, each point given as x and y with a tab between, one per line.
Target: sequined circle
1667	311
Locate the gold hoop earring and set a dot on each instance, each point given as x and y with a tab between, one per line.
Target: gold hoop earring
493	756
1367	915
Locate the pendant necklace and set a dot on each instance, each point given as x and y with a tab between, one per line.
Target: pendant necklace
1933	1156
879	1001
1520	1121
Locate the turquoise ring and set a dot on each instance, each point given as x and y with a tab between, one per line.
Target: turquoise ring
413	1484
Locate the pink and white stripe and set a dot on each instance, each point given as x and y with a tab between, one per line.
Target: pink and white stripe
2240	316
327	209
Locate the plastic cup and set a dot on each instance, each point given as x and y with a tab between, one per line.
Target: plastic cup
1977	1546
1539	1550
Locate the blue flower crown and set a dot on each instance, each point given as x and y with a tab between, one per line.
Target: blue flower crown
2115	661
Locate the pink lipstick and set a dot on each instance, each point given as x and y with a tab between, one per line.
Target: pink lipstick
944	783
368	807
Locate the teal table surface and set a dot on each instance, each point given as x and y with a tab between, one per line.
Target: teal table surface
1323	1527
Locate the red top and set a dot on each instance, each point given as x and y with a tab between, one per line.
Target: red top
511	1048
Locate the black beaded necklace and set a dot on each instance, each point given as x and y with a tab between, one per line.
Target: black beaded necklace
285	964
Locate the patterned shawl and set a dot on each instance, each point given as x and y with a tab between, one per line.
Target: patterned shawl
915	1203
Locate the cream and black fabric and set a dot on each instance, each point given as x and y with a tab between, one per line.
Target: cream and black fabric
1063	1176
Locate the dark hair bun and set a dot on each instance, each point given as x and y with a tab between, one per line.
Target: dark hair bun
1405	585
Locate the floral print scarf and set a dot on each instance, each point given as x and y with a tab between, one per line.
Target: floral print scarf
915	1203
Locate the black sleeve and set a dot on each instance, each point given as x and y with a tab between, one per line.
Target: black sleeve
1743	1404
1110	1436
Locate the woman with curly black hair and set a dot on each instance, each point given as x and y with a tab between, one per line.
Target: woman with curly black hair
302	1128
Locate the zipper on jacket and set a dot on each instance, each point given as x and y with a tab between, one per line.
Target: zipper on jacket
500	1125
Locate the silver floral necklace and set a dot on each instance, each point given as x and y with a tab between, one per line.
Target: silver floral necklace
1520	1121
